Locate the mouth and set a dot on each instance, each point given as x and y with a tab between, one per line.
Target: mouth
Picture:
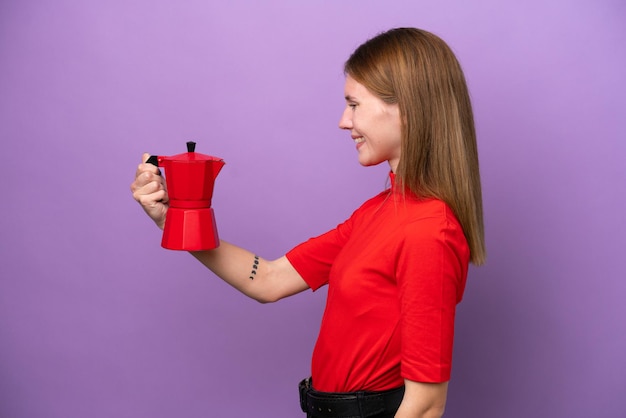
358	140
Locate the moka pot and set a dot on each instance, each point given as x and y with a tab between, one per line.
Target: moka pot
190	220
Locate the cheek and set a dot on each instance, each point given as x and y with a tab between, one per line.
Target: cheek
364	122
395	130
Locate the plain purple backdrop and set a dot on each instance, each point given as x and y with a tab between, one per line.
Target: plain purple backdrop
96	320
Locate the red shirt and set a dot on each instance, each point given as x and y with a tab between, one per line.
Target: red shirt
396	270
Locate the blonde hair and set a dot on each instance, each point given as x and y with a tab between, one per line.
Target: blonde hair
439	156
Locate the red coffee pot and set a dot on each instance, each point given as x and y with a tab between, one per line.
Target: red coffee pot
190	221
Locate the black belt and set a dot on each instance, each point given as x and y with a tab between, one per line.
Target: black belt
348	405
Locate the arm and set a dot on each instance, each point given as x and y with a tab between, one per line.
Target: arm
262	280
423	400
431	286
271	280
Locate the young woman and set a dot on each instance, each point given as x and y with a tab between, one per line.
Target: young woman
397	267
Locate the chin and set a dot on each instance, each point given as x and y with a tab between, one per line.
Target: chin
369	163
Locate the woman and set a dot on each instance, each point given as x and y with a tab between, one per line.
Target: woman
397	267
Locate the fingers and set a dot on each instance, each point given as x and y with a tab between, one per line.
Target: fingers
146	167
143	179
150	191
148	180
151	200
147	184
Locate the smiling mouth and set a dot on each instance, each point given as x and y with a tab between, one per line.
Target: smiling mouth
359	140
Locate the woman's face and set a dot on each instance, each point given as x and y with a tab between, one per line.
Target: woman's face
373	124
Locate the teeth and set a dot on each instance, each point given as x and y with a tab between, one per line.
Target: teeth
359	140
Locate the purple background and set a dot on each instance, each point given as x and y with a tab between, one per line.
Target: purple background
96	320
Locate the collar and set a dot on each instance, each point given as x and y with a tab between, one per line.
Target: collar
392	181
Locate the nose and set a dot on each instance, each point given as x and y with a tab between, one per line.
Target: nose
346	121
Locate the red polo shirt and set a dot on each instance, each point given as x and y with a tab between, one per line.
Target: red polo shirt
396	270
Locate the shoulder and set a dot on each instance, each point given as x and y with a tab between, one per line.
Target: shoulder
430	211
432	244
432	219
374	203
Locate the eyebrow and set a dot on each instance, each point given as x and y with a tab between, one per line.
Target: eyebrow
350	98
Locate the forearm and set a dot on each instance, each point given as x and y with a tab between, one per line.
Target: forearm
254	276
233	265
423	400
260	279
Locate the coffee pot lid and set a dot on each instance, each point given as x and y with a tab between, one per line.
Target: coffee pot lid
191	155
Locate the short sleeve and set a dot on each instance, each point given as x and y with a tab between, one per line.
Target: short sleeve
314	258
431	271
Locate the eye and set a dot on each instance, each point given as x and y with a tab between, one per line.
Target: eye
352	106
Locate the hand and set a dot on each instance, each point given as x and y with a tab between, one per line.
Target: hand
150	191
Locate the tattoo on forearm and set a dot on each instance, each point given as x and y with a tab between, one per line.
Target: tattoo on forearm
255	266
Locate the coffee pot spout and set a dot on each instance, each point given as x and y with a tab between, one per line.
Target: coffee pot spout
217	166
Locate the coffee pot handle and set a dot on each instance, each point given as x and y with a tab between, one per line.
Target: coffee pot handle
154	160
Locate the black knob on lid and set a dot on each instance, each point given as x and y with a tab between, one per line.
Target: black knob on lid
191	146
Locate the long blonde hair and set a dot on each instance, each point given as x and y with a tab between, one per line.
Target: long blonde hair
439	156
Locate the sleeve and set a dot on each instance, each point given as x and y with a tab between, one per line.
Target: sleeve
314	258
432	264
